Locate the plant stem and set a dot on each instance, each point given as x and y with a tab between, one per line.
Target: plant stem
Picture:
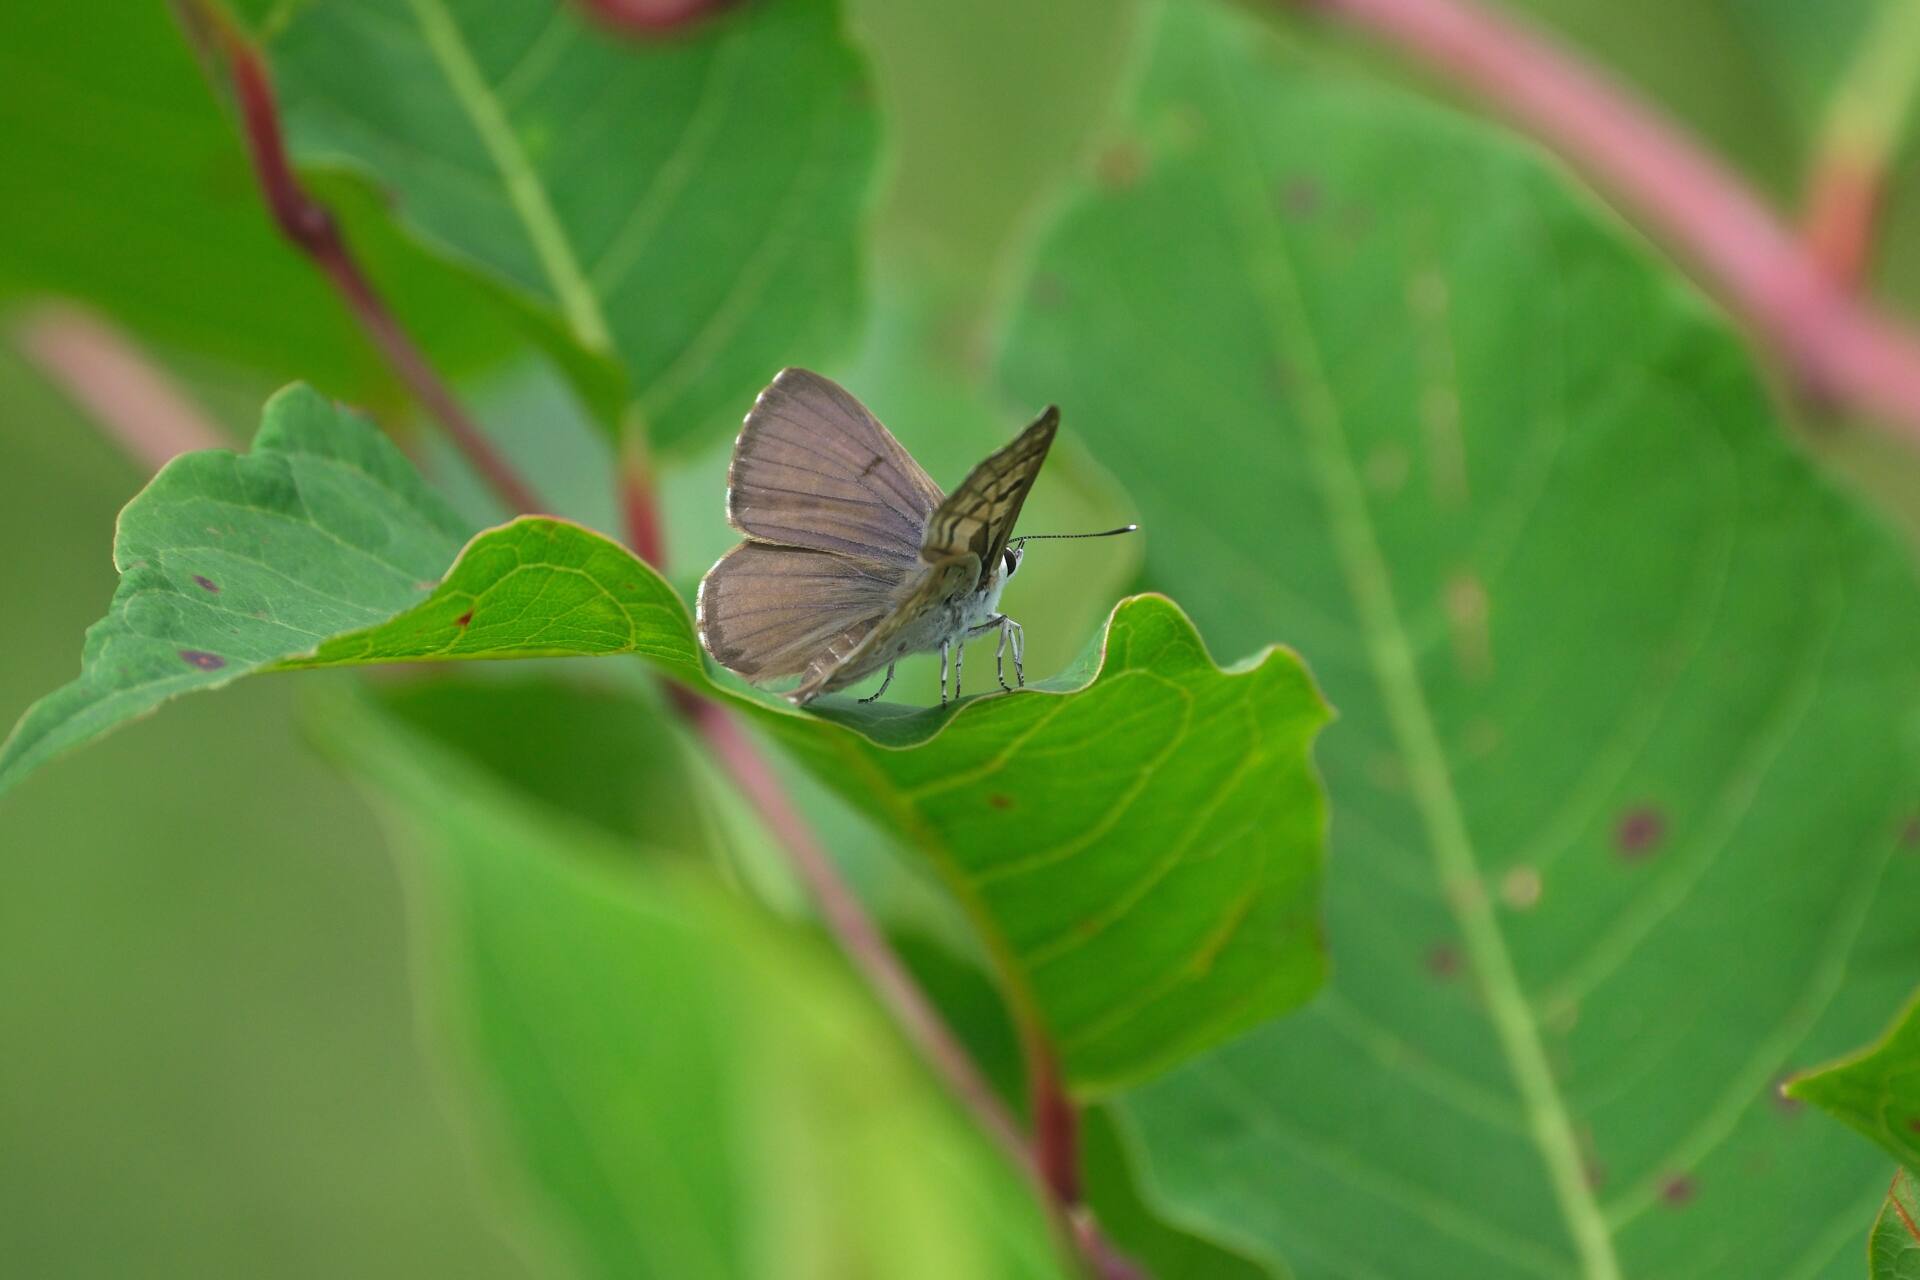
846	918
311	226
1858	142
649	19
1836	348
103	371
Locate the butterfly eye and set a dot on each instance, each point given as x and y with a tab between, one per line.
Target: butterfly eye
1012	560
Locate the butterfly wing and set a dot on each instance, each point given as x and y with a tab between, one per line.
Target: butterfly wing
767	611
812	468
977	518
857	654
965	537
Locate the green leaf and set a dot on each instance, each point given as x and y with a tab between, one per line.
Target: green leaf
1141	856
1876	1090
689	206
689	1089
229	564
128	188
1893	1250
1627	736
1138	839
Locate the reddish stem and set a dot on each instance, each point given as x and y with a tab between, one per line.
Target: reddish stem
311	226
864	945
1837	348
103	371
1843	206
650	18
640	503
1056	1122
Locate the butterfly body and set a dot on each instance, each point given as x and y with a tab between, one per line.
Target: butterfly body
853	557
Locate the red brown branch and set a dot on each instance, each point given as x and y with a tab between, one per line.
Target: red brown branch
1056	1122
1836	348
650	18
860	939
1844	199
311	226
102	370
640	502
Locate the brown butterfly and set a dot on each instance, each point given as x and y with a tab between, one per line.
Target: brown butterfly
854	558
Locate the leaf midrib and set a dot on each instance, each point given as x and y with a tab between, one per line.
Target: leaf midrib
1390	653
524	189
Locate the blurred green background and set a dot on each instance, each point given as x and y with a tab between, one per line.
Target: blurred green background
210	1061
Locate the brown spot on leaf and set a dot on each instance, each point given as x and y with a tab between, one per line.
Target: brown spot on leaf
1639	832
206	584
1300	197
1677	1190
1443	960
999	801
463	619
203	660
1914	1124
1048	291
1910	833
1596	1173
1121	166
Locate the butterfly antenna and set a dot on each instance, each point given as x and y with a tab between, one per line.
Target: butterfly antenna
1104	533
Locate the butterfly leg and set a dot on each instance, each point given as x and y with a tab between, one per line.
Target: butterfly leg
1014	632
944	647
959	652
875	695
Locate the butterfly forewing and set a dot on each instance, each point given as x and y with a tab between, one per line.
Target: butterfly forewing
812	468
978	517
766	611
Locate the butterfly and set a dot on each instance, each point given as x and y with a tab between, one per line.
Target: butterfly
853	556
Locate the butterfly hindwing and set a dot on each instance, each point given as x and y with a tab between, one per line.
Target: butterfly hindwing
767	611
812	468
872	648
977	518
